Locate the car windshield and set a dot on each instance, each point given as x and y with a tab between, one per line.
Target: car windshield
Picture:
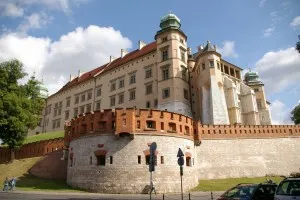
289	188
240	191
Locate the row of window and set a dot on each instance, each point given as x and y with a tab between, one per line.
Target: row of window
87	95
101	160
56	123
81	109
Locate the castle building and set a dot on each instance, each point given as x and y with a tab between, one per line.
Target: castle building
163	75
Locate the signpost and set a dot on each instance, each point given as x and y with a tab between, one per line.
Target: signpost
152	160
180	162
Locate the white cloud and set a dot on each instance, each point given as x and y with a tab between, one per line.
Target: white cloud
227	50
83	49
295	22
34	21
268	32
280	67
280	113
10	10
262	3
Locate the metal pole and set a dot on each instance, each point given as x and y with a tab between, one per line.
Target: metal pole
181	188
150	184
163	196
189	196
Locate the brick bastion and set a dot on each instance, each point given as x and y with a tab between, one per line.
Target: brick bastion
108	150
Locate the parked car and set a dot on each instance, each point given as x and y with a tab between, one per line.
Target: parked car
250	191
288	189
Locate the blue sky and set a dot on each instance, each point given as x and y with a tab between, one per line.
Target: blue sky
57	37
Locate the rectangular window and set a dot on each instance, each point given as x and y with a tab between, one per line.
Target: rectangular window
165	55
148	104
258	101
55	105
183	56
82	97
110	160
113	87
81	109
131	95
138	124
149	89
89	95
67	113
112	101
203	66
162	126
165	73
139	160
188	161
218	65
97	106
211	63
132	79
75	112
76	99
148	73
60	103
166	93
59	111
88	107
68	101
53	124
100	160
164	39
186	94
162	161
98	92
155	102
55	112
121	83
256	90
121	98
58	123
183	73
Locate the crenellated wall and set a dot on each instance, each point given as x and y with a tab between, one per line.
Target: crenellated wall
34	149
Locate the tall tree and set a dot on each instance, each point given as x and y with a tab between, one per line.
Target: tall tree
298	44
296	114
20	105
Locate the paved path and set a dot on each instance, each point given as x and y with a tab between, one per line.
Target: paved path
21	195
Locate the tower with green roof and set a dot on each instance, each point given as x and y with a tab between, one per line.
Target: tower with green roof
173	76
252	80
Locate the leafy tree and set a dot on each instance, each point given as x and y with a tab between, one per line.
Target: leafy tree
296	114
298	44
20	105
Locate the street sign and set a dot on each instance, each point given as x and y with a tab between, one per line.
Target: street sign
180	161
153	147
180	153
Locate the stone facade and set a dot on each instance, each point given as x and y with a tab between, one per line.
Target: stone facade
164	75
122	172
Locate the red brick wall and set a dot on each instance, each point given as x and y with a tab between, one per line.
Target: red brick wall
32	149
133	121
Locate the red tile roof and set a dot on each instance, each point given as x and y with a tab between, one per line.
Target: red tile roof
109	66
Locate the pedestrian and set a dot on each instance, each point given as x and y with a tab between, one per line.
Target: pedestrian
152	188
13	184
5	185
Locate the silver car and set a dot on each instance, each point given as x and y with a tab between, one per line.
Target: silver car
288	189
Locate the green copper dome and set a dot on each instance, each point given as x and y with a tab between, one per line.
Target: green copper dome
251	76
169	20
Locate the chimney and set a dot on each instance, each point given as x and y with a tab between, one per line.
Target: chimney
123	52
141	44
111	58
189	51
79	73
215	47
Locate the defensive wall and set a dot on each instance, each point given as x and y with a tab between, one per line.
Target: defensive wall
121	138
34	149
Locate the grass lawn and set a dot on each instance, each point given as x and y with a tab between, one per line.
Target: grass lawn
225	184
44	136
25	181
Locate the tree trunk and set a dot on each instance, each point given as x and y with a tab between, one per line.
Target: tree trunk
12	154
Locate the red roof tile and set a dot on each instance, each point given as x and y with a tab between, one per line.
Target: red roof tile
109	66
